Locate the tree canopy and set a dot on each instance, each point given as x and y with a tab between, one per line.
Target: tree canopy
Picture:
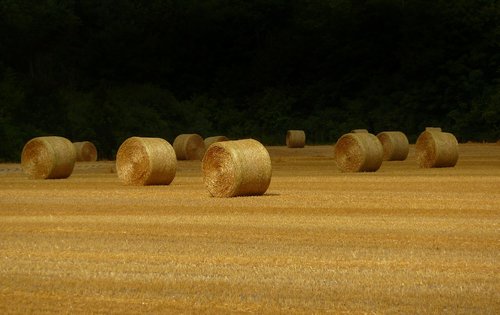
106	70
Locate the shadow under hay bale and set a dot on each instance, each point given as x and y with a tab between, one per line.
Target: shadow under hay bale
209	140
237	168
85	151
189	147
295	138
436	149
146	161
48	158
358	152
395	145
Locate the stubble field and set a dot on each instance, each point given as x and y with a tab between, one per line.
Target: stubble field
401	240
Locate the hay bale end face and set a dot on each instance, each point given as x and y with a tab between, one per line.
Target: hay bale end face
395	145
209	140
436	149
146	161
295	138
237	168
85	151
359	131
189	147
48	158
358	152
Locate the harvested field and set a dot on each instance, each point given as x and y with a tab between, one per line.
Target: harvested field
400	240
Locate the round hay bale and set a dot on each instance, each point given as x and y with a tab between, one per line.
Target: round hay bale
359	131
48	158
436	149
237	168
85	151
358	152
208	141
189	147
395	145
295	138
433	129
146	161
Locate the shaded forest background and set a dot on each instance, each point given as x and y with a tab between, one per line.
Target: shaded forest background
103	70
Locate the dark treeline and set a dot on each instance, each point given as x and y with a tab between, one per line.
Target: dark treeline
104	70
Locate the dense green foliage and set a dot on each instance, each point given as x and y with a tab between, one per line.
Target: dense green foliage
109	69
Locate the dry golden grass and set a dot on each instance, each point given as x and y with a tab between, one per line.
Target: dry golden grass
401	240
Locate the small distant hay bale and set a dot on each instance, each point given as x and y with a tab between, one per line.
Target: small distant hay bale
433	129
237	168
436	149
359	131
48	158
189	147
395	145
295	138
209	140
146	161
358	152
85	151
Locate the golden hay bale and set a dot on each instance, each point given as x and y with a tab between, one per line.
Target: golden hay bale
433	129
189	147
295	138
436	149
358	152
48	158
395	145
85	151
146	161
237	168
208	141
359	131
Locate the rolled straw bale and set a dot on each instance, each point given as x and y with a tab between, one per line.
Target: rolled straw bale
359	131
295	138
358	152
189	147
146	161
433	129
436	149
48	158
85	151
395	145
237	168
208	141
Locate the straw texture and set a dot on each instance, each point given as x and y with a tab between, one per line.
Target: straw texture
85	151
237	168
209	140
395	145
189	147
358	152
359	131
436	149
295	138
48	158
146	161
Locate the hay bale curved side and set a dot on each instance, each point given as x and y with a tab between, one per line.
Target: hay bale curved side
146	161
295	138
50	157
436	149
237	168
85	151
358	152
433	129
360	131
395	145
209	140
189	147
